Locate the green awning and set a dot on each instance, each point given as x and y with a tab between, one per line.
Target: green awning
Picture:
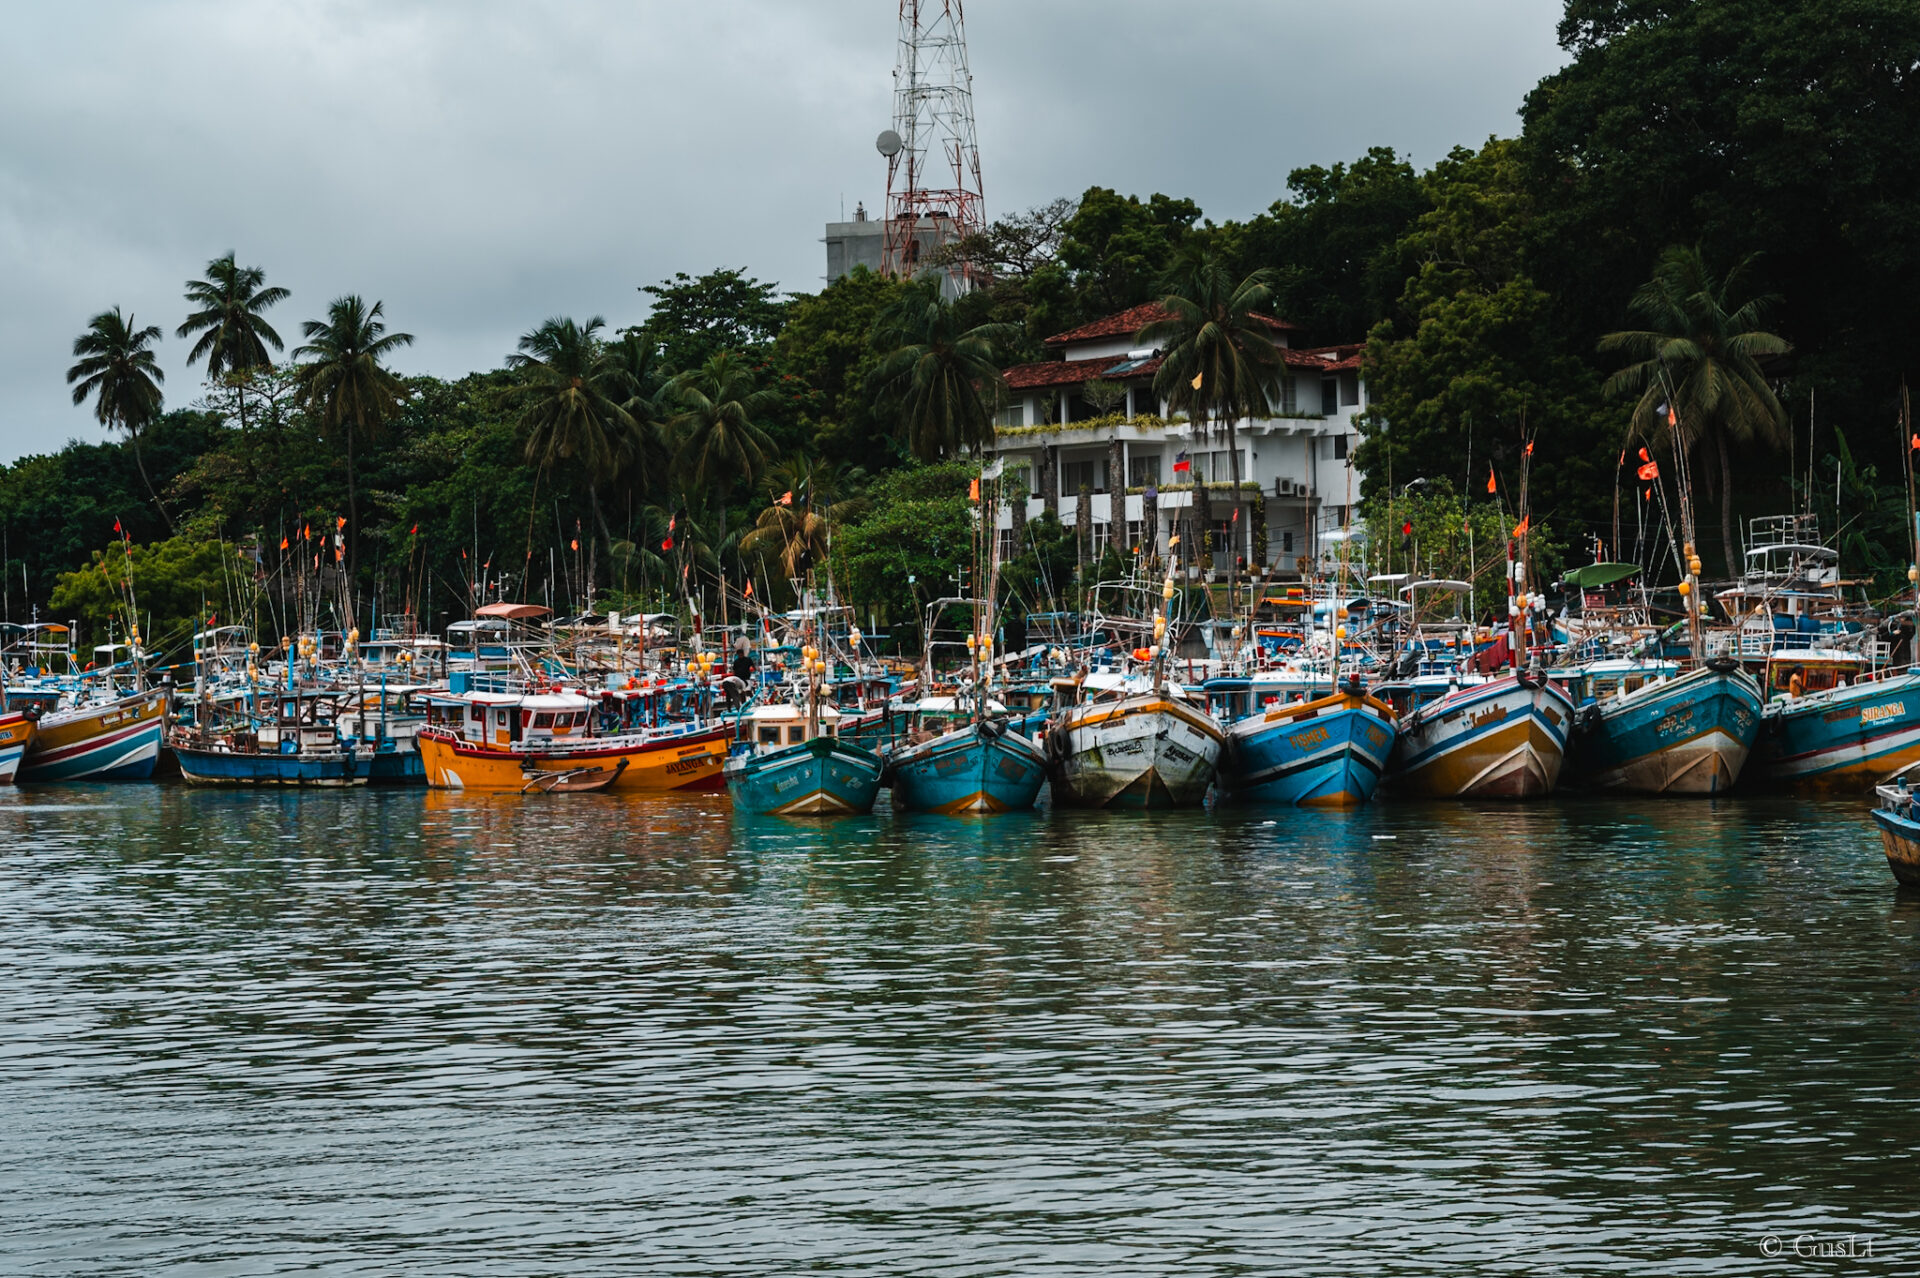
1600	574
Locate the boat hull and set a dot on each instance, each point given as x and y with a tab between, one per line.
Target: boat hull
683	762
16	735
229	768
978	768
1901	836
1142	751
1847	740
1685	736
1505	739
1326	753
821	777
113	741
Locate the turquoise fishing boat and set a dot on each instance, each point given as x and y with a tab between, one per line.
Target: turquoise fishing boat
793	768
981	765
1835	727
1328	751
1899	832
1646	728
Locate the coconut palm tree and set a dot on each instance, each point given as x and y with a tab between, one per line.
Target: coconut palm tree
234	332
114	363
946	379
715	440
1219	360
808	499
570	402
347	386
1700	353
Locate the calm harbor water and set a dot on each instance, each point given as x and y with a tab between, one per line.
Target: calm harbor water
443	1034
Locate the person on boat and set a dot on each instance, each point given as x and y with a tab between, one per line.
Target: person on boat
1796	686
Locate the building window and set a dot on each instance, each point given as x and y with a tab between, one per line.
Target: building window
1102	535
1075	475
1286	542
1145	402
1134	534
1329	396
1289	394
1143	471
1339	447
1350	388
1003	538
1014	414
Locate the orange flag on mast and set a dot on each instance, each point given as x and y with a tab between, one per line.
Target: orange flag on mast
1491	486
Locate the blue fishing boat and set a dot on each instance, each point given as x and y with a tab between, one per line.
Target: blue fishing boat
1899	831
1832	725
1646	728
1325	751
292	746
793	768
383	726
982	765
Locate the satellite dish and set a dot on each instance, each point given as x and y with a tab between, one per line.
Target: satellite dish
888	143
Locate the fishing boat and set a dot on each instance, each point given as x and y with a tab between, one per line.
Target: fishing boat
498	740
1830	724
957	761
1501	737
16	734
962	753
1130	740
384	725
234	741
1646	727
1899	831
107	738
1124	734
1324	751
795	764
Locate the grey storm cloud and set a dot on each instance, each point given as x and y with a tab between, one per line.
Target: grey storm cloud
481	165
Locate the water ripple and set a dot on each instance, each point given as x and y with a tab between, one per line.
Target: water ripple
431	1034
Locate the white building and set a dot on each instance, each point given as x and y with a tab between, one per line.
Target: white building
1295	465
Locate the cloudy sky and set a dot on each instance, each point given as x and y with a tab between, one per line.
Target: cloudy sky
481	164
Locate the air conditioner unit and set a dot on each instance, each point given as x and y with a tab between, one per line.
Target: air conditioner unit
1282	487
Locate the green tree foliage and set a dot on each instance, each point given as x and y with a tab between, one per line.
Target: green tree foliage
693	320
1441	545
1040	576
56	507
918	525
718	443
1748	127
1333	246
349	389
114	364
1117	247
235	336
827	344
177	583
1701	356
941	376
1478	367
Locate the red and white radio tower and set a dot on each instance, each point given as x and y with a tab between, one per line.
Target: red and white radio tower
933	163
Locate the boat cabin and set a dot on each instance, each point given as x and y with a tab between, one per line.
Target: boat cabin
773	727
1817	670
501	719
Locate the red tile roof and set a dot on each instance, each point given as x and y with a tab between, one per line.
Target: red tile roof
1071	372
1327	359
1132	320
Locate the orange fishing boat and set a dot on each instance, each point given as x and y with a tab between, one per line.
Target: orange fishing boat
510	741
